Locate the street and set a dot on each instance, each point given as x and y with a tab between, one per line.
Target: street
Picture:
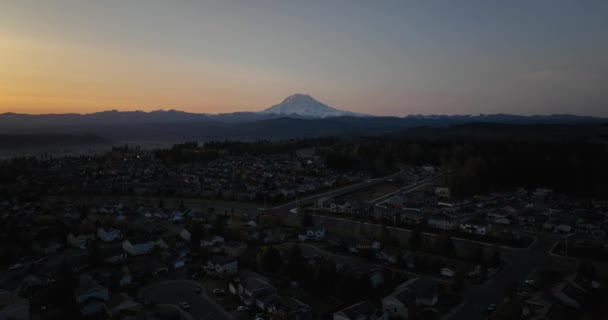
174	292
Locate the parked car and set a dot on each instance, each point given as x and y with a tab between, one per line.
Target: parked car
242	308
219	291
184	305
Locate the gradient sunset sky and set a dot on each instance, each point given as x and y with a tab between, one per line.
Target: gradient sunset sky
377	57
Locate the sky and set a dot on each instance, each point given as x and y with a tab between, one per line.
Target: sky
377	57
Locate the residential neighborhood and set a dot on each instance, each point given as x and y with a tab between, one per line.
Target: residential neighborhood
337	247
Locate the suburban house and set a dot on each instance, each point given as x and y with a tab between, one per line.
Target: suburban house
138	246
389	254
418	292
252	291
91	296
185	234
443	222
323	202
340	206
122	305
234	248
452	267
113	254
80	241
221	266
570	294
289	309
46	247
477	225
362	310
557	225
396	200
212	241
13	307
502	215
315	233
108	235
442	192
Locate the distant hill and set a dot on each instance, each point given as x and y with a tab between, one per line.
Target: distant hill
297	116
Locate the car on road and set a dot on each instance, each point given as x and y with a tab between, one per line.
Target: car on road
524	294
530	282
184	305
198	290
219	291
242	308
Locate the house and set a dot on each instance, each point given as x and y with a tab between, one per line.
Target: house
289	309
221	266
212	240
91	296
13	307
442	192
185	234
584	226
443	222
46	247
396	200
557	225
138	246
323	202
80	241
364	310
452	267
448	204
340	206
109	235
477	225
179	263
315	233
234	248
542	192
389	254
122	305
252	291
364	245
113	254
419	292
412	216
570	294
160	243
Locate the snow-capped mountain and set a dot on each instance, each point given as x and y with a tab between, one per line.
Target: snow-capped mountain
306	106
